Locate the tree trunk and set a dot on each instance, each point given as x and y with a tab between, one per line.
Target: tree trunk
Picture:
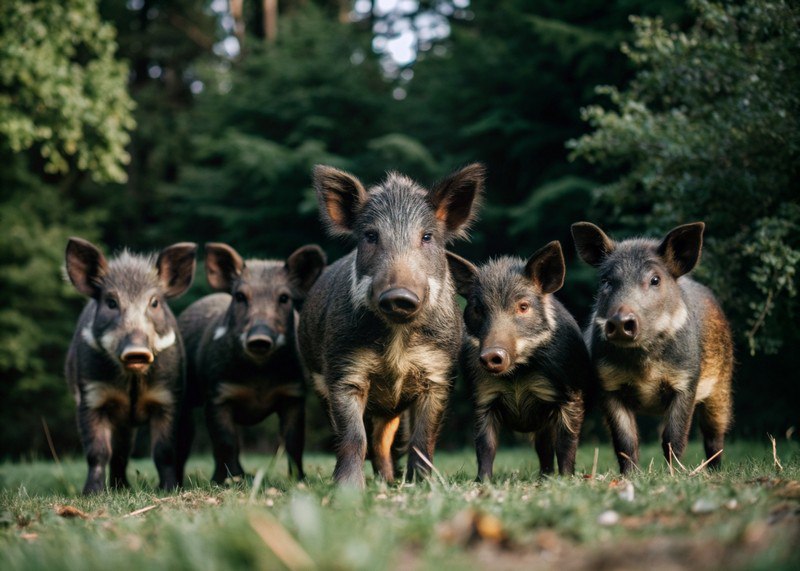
270	20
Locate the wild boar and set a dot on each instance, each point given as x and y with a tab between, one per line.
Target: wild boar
125	365
381	330
240	346
659	340
523	356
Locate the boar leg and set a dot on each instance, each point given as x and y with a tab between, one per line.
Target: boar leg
545	449
400	443
624	433
428	411
224	442
185	438
347	403
678	422
383	435
486	442
96	439
163	432
121	441
292	416
567	433
714	416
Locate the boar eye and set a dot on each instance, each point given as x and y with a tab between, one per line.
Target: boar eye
111	303
283	298
523	307
154	302
371	237
427	237
240	297
655	280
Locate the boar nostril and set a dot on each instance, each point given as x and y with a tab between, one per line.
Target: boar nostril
495	360
399	302
623	326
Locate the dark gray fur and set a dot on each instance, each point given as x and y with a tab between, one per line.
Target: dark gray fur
543	389
112	399
681	337
236	386
370	367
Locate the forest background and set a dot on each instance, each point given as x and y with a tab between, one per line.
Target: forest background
141	123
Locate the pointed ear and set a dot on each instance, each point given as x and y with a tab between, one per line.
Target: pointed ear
546	268
463	271
681	248
341	196
175	265
455	199
305	265
591	242
86	265
223	266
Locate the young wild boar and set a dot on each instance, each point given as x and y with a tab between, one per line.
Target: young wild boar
381	329
523	355
659	341
125	365
241	351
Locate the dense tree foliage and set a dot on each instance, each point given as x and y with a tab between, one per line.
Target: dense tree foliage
65	112
710	130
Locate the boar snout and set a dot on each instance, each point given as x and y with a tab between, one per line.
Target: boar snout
260	340
399	304
623	326
496	360
135	354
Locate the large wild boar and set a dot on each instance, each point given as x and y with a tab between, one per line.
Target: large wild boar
240	347
125	365
381	330
659	341
523	356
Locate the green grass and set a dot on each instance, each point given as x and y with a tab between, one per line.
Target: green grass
745	516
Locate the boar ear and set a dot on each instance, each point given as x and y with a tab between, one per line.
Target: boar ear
455	199
223	266
463	272
340	196
175	266
85	266
546	268
681	248
304	266
591	242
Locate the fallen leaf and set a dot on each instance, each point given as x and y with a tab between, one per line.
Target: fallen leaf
469	527
70	512
29	536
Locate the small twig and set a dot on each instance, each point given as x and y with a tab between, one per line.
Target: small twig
256	485
594	462
281	543
672	453
669	460
761	317
628	458
704	464
777	462
50	441
431	466
141	511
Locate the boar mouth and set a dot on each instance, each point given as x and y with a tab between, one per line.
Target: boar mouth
137	360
